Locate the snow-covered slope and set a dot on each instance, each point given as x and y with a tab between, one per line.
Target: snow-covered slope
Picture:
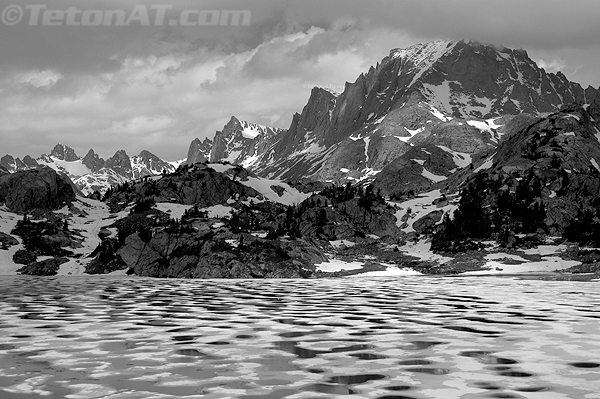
71	169
272	189
85	217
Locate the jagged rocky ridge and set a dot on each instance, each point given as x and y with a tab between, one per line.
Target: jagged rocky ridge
460	95
239	142
93	173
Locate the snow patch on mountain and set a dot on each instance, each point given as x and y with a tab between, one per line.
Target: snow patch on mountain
175	211
219	211
440	95
411	132
448	97
418	207
290	195
486	165
367	140
461	159
176	164
431	176
99	181
422	56
250	133
438	114
72	169
8	221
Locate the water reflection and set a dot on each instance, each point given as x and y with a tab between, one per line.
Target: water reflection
95	337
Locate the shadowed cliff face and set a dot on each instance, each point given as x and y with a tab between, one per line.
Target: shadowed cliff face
64	153
40	188
199	151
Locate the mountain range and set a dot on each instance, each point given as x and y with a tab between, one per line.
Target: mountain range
413	119
457	98
92	173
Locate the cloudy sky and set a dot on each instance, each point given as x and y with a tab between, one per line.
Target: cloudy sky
157	87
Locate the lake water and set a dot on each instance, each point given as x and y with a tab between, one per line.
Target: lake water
407	337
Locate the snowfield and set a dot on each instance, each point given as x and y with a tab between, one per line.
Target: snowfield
336	265
421	206
290	195
175	211
547	264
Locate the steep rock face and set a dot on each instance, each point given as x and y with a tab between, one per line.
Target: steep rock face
485	81
64	153
93	161
10	163
199	151
29	162
299	151
416	92
39	188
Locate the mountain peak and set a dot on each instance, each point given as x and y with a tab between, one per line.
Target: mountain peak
319	90
199	151
421	52
120	154
64	153
145	154
120	162
93	161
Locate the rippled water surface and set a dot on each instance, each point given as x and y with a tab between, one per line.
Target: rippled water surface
417	337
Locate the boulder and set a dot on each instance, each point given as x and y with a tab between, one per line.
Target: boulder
424	224
37	188
48	267
24	257
6	240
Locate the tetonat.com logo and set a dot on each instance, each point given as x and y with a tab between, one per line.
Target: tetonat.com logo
141	15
